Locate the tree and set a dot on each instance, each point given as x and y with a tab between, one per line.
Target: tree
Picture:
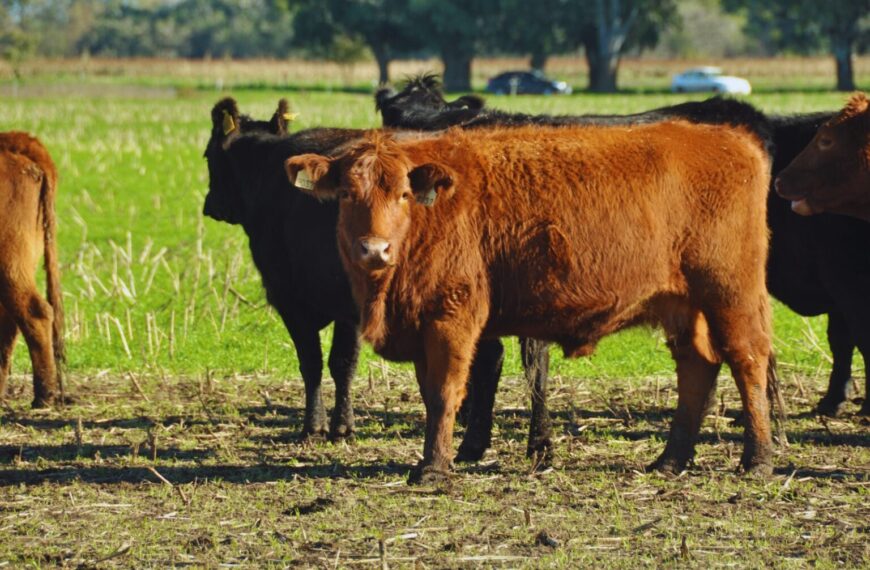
539	32
385	26
804	25
609	28
457	29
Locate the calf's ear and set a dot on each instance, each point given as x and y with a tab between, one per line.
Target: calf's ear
429	181
311	174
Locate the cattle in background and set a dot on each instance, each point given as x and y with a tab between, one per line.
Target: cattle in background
292	238
422	94
28	182
832	174
819	265
816	266
566	235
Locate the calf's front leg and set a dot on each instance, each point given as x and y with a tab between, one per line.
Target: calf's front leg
448	351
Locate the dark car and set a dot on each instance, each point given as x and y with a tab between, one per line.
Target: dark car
526	83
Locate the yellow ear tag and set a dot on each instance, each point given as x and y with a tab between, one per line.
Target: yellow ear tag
429	198
304	181
229	123
289	117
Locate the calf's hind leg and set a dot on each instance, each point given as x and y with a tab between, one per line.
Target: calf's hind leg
33	316
696	382
8	333
343	357
745	346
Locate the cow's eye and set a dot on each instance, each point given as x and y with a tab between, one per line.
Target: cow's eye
405	196
825	143
343	194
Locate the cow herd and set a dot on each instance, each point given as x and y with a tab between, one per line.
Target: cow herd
456	225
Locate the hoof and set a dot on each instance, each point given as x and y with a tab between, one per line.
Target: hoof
540	454
429	475
829	407
757	470
42	403
343	432
667	464
470	453
313	435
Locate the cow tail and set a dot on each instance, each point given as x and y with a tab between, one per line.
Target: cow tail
778	412
52	272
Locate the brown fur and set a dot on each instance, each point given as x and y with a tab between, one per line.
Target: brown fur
832	174
567	235
28	229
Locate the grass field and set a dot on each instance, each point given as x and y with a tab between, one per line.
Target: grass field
177	364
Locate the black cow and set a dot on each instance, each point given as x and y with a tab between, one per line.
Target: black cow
816	265
293	244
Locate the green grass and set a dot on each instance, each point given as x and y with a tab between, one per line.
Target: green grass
209	380
138	255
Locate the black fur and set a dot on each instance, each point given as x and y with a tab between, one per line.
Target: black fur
294	246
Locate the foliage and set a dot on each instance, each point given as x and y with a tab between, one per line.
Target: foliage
802	26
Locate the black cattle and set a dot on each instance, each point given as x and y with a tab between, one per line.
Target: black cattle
808	278
820	265
292	241
293	244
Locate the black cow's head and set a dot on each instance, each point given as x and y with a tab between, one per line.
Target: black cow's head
224	199
420	93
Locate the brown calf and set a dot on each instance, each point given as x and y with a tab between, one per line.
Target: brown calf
27	231
566	235
832	174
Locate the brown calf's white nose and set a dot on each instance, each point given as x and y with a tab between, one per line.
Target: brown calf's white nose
375	250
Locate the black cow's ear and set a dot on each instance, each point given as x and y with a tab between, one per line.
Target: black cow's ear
428	181
225	117
280	123
473	102
312	174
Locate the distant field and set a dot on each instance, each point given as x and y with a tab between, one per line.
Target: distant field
177	364
644	75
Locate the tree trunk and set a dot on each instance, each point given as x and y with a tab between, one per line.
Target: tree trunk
603	69
383	68
538	60
604	43
842	48
457	69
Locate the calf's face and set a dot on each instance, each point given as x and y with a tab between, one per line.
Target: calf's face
832	174
377	193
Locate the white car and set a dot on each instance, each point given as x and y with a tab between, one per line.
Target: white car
709	79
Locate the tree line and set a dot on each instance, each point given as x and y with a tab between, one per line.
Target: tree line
456	31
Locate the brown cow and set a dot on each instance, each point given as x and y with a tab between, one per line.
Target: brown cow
562	234
27	231
832	174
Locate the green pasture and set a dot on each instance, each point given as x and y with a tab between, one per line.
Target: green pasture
150	285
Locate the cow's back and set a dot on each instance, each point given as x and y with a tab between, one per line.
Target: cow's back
597	222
